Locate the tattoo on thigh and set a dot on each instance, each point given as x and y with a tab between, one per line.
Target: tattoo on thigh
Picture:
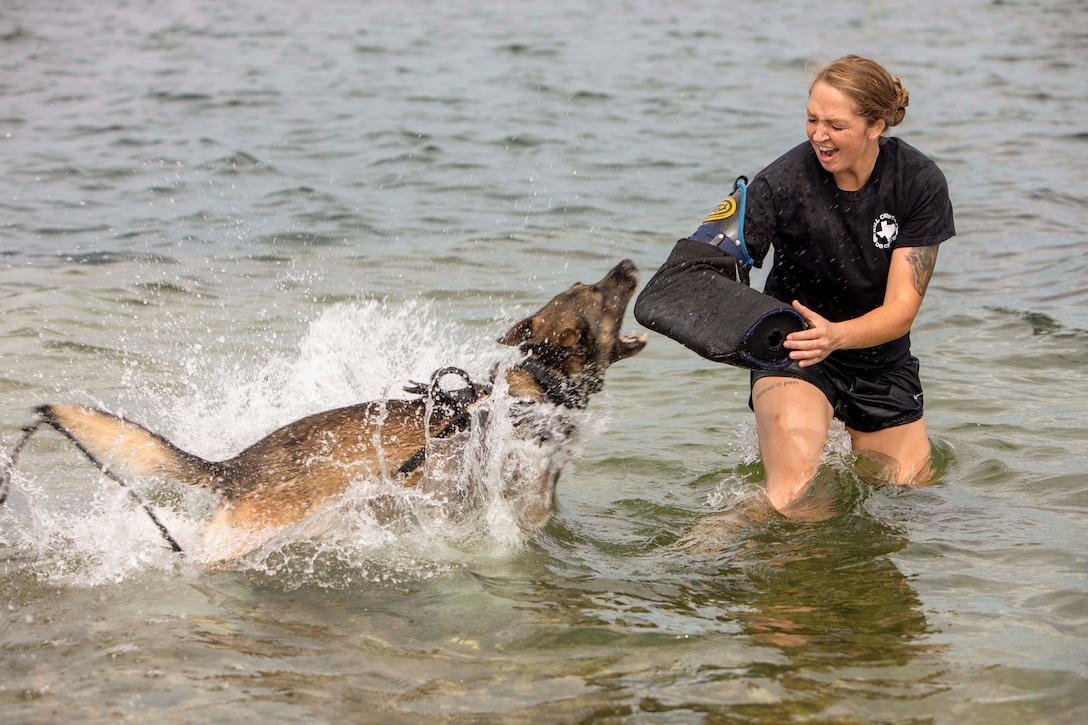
779	384
922	260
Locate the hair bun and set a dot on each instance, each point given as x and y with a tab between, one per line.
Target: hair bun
902	100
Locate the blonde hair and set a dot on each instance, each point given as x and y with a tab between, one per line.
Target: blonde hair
879	95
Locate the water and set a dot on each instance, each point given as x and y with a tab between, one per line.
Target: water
218	217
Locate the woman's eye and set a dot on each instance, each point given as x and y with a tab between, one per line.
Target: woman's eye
834	126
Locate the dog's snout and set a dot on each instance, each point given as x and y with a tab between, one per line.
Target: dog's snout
626	268
625	273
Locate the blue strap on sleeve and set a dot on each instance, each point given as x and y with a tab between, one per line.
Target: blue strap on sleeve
713	234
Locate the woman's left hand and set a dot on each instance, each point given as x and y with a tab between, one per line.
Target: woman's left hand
812	345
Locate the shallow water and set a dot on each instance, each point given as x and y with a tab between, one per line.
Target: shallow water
219	217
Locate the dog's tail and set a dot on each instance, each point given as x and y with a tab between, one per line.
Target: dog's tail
125	448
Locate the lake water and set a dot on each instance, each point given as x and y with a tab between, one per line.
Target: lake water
216	217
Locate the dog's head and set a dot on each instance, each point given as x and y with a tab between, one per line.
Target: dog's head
573	339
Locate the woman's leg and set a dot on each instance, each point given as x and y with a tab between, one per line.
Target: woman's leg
792	421
903	451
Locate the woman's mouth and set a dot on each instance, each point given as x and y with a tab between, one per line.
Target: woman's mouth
826	153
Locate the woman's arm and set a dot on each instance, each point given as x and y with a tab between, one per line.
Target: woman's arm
908	277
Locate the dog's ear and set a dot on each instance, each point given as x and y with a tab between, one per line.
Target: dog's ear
564	337
523	332
519	333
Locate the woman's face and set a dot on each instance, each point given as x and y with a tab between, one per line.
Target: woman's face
846	144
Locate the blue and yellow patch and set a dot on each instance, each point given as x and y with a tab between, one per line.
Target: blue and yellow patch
726	209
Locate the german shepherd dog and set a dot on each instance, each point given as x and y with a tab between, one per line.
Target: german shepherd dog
305	467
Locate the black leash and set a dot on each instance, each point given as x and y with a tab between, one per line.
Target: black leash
5	481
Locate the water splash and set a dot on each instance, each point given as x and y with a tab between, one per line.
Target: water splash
351	353
80	528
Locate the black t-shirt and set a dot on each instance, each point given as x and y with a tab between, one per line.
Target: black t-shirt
833	248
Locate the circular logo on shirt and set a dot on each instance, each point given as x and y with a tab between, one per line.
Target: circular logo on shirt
885	230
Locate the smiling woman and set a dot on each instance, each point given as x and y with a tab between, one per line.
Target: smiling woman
855	219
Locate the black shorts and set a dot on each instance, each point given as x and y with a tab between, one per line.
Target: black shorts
866	402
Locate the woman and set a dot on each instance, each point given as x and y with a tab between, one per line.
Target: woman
855	219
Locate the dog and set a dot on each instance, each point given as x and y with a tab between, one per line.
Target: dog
305	467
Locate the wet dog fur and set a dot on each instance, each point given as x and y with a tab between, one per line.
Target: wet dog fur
306	466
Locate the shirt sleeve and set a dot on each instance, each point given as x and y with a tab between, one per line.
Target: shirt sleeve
759	219
929	220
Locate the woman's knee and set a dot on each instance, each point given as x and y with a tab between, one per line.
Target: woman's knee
792	422
903	452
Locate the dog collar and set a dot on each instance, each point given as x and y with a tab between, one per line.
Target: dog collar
558	389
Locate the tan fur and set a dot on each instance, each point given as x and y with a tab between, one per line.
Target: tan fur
307	465
124	447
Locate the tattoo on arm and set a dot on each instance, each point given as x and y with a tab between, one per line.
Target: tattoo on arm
922	261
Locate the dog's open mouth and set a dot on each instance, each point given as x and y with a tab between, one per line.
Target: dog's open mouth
623	280
628	345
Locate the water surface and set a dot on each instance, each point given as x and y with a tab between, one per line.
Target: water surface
217	217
